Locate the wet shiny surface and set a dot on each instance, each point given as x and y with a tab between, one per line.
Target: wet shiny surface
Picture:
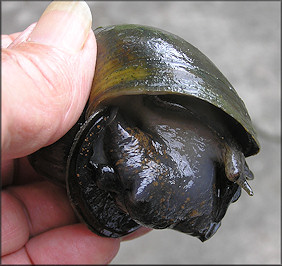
169	167
134	59
142	60
92	203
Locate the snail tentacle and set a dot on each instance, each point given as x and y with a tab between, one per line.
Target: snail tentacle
237	169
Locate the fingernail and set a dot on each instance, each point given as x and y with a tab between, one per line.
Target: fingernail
64	25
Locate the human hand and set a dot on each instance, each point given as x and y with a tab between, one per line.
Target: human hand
47	71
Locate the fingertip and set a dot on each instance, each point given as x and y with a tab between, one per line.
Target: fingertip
140	232
46	204
64	25
74	244
15	227
16	258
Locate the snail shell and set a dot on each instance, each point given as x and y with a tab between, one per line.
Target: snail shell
161	143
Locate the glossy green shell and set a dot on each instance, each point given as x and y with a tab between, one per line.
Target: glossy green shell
135	59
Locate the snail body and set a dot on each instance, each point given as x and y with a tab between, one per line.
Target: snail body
161	143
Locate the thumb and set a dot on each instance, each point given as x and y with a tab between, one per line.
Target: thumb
47	74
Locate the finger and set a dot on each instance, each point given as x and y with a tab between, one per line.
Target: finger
16	258
46	79
30	210
140	232
68	245
20	37
6	40
7	172
47	206
73	244
24	173
14	224
15	35
18	172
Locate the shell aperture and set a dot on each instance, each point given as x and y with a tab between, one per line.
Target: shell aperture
163	167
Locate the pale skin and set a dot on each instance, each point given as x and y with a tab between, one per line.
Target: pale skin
44	90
